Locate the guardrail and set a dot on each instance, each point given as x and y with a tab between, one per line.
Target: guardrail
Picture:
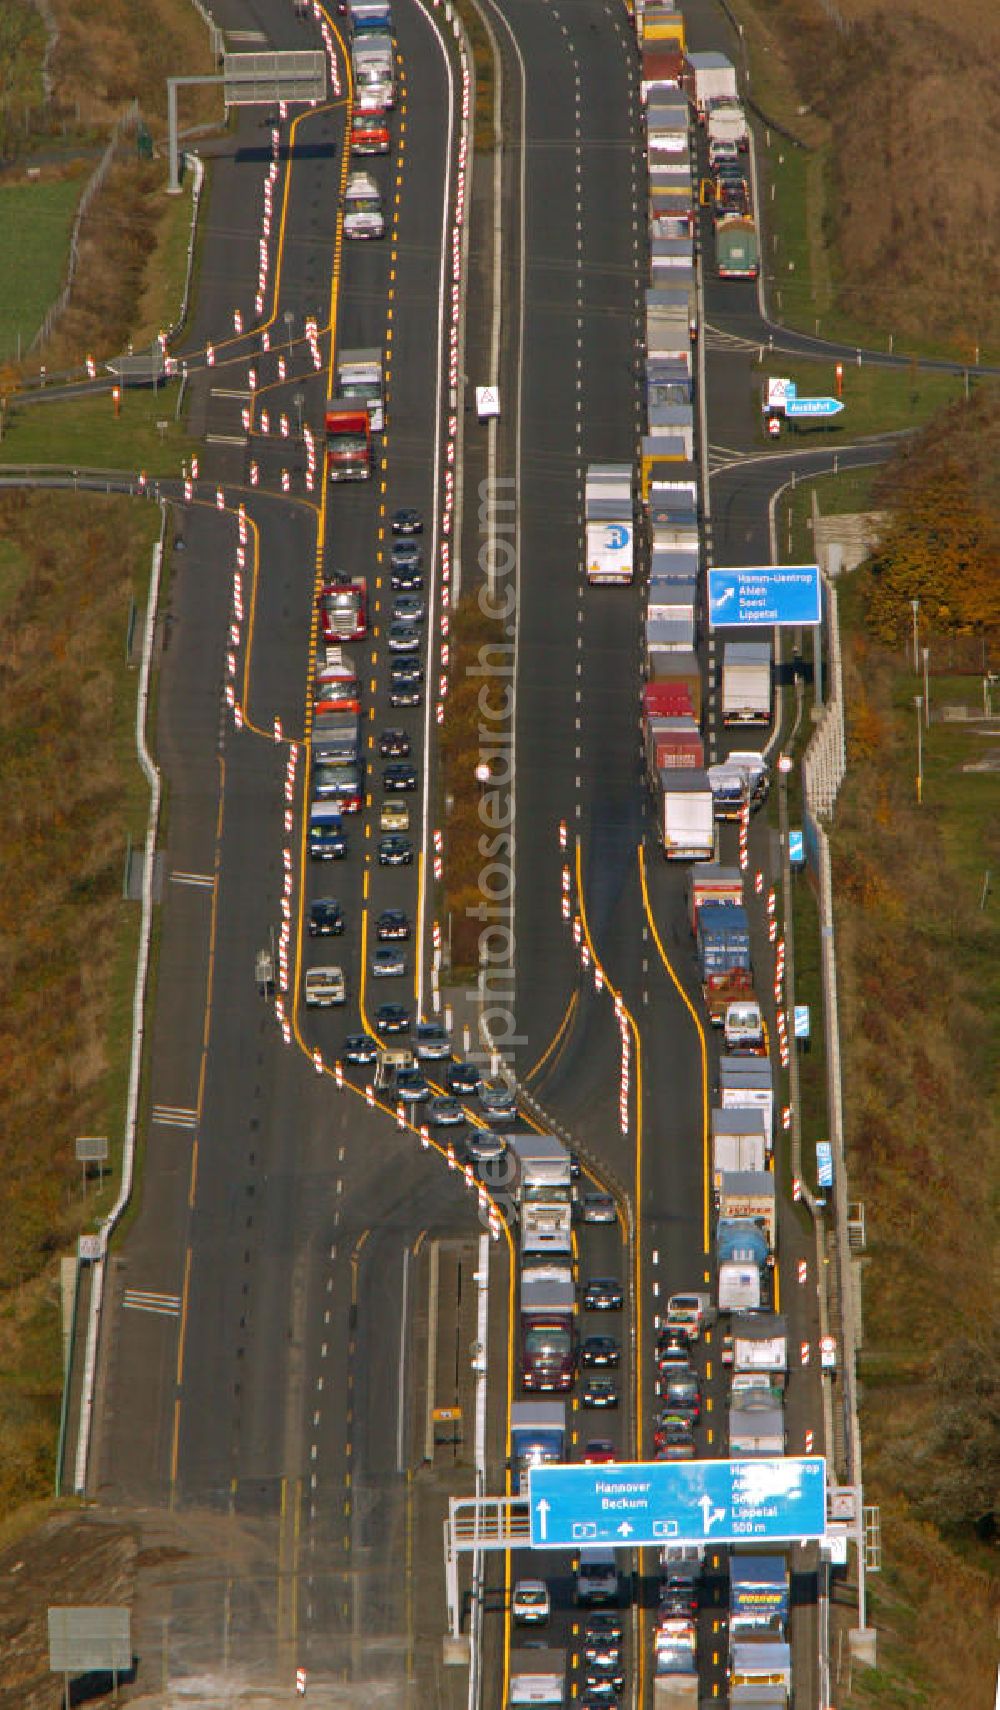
824	768
138	1022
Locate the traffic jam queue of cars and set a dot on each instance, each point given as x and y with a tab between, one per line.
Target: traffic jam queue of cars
682	93
411	1058
355	417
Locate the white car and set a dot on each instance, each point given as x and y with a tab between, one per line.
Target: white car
325	987
530	1605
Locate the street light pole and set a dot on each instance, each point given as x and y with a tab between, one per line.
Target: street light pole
927	688
918	701
915	607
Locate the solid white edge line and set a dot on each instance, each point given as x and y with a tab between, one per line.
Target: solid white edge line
401	1373
428	868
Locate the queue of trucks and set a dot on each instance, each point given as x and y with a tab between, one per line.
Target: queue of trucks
630	523
677	86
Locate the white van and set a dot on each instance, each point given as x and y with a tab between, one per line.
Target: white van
363	207
597	1577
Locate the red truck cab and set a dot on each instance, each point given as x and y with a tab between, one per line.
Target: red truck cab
343	609
348	442
548	1337
370	132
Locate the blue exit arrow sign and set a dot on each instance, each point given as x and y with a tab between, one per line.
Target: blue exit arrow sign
683	1502
813	407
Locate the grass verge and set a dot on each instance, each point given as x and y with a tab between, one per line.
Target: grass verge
36	217
67	938
85	433
854	247
918	933
876	400
473	636
160	303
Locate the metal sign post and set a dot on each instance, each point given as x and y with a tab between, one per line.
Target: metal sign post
251	80
91	1149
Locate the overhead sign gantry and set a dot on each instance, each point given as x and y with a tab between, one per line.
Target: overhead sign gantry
775	1500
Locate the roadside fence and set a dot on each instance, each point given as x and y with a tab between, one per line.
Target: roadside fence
128	120
824	768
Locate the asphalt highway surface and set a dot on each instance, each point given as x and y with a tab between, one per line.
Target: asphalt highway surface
254	1369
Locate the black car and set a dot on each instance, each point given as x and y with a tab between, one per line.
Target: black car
407	521
672	1350
326	918
360	1048
678	1592
602	1630
599	1352
406	579
603	1294
405	694
574	1166
599	1392
392	1018
395	851
603	1697
406	671
399	776
602	1671
394	744
327	843
412	1086
392	923
463	1079
677	1605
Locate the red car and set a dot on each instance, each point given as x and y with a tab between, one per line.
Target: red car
600	1451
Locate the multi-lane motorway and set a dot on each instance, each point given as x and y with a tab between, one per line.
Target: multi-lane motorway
266	1325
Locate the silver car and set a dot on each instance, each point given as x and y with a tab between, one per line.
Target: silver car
408	608
498	1103
445	1112
433	1044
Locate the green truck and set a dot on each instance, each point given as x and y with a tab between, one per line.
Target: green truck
737	252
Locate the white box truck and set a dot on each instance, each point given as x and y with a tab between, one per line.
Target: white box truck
739	1142
609	524
360	378
686	820
746	682
711	77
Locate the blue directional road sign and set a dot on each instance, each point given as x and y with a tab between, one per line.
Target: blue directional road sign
684	1502
796	848
824	1163
801	1020
767	594
798	407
